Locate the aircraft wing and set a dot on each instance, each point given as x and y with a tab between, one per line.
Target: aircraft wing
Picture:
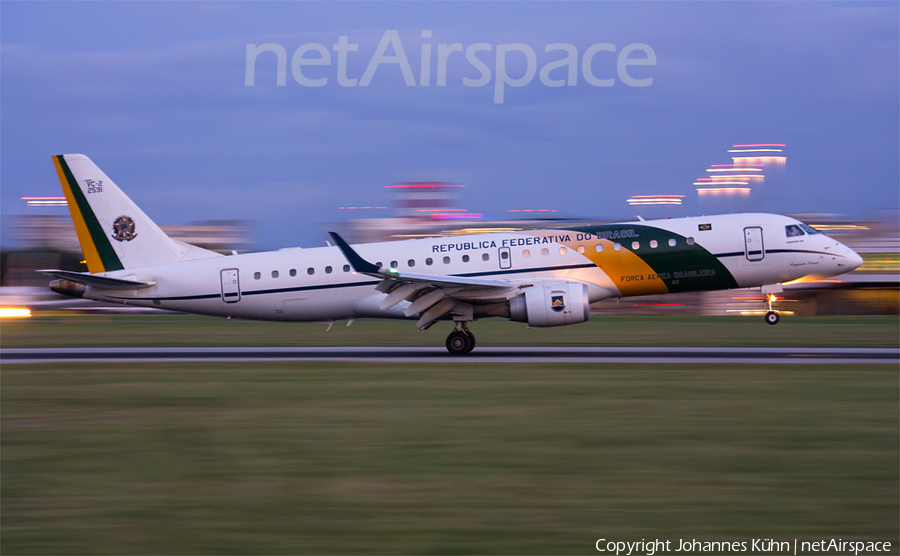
431	295
99	281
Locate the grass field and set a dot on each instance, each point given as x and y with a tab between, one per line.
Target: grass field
440	459
338	458
182	330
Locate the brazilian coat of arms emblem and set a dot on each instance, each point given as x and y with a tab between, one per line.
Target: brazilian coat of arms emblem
123	229
557	303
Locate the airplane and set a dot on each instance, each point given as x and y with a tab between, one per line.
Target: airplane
542	277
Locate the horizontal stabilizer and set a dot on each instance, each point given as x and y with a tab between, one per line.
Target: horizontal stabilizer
99	281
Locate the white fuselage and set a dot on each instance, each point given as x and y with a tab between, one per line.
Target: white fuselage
319	284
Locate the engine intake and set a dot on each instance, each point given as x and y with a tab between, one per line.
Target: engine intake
552	304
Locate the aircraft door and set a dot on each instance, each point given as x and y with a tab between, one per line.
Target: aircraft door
231	285
505	258
754	249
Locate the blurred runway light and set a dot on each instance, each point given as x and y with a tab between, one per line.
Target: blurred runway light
838	227
655	200
14	312
734	169
755	313
456	216
772	160
723	190
45	201
422	185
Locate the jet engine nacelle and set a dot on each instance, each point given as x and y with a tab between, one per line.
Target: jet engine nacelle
551	304
68	288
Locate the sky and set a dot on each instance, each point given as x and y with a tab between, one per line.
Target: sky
156	94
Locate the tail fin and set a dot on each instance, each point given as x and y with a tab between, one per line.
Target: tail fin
114	233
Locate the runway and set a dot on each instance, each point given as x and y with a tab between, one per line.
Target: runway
440	355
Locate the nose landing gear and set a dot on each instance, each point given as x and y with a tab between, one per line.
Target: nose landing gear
772	316
460	341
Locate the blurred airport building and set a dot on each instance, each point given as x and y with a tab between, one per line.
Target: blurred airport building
49	241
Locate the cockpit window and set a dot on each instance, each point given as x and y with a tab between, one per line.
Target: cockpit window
809	230
793	230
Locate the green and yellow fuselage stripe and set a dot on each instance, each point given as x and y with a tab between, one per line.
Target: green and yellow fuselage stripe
645	270
98	252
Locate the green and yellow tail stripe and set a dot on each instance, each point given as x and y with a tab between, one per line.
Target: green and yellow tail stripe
98	252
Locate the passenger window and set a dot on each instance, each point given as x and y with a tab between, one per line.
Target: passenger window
429	261
310	271
393	264
327	270
526	253
545	252
378	264
580	249
346	268
635	245
617	246
293	272
793	231
256	275
689	241
504	255
671	242
653	244
465	258
485	257
411	263
446	260
274	274
598	248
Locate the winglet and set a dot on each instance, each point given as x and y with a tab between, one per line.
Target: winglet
358	263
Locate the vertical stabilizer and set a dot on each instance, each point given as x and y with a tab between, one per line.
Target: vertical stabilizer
114	233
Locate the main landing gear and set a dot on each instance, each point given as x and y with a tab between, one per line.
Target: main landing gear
460	341
771	315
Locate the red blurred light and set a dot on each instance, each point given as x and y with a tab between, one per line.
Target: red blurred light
424	185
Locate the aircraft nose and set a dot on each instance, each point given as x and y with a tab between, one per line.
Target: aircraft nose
855	260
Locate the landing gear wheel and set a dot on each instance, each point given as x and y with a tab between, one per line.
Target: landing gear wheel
460	343
772	317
